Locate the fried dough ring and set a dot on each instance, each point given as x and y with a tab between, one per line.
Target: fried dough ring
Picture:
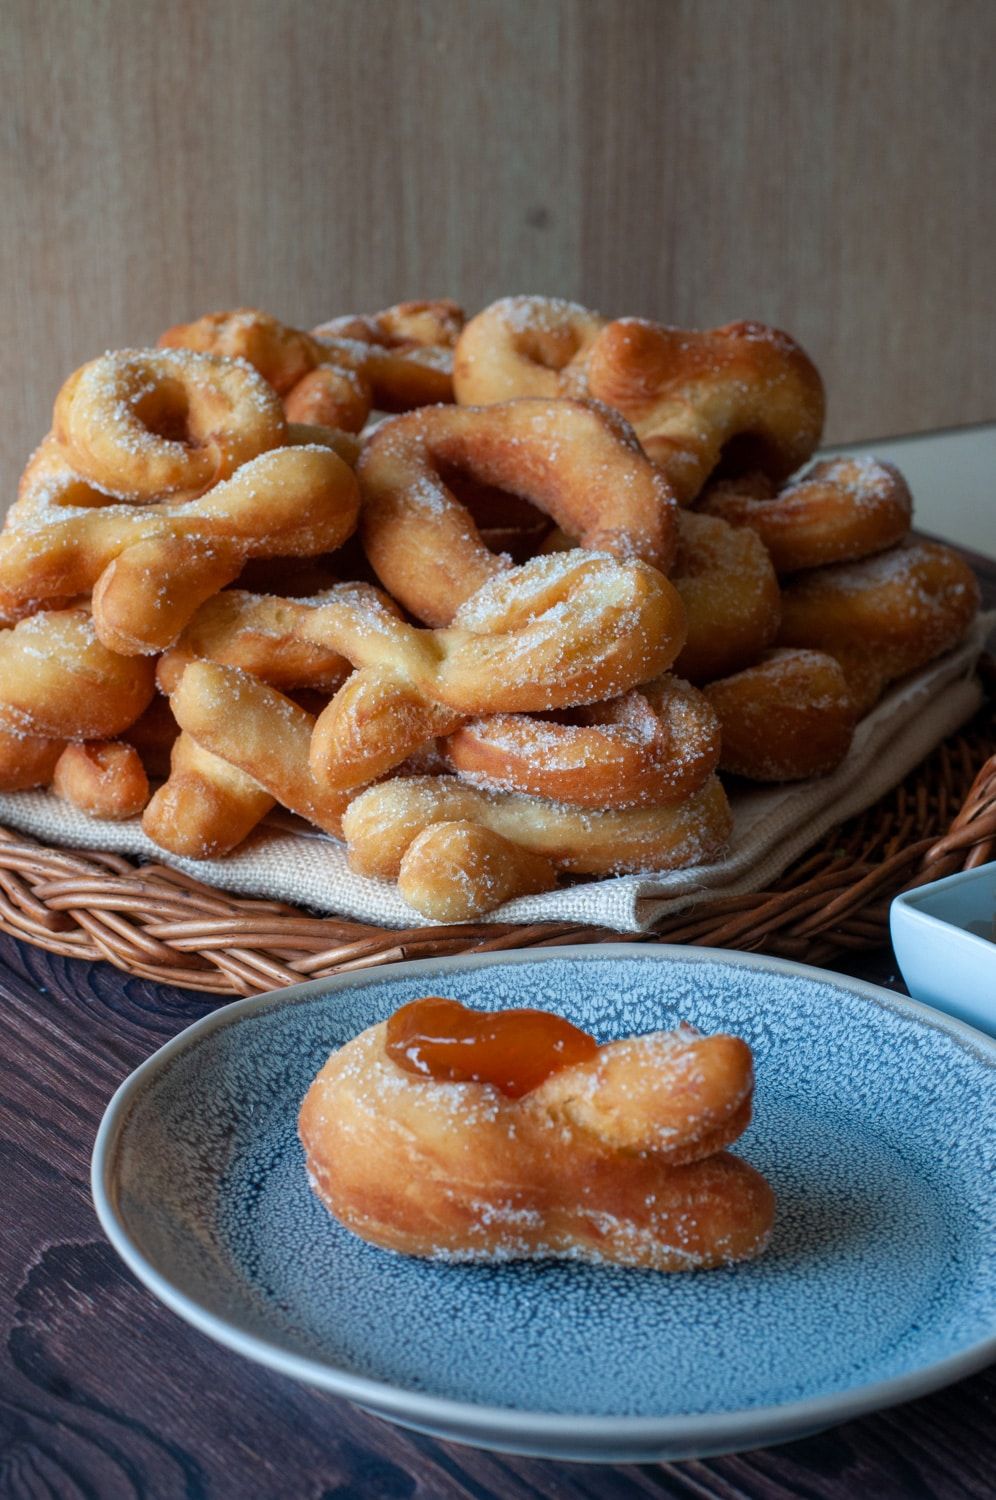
559	631
657	743
790	716
147	423
578	463
689	394
840	510
330	396
885	616
103	778
613	1159
382	824
524	346
151	566
730	592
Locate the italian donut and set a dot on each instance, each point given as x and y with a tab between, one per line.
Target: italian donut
840	510
578	463
524	346
613	1157
382	824
657	743
730	593
882	617
147	423
403	326
562	630
790	716
745	394
151	566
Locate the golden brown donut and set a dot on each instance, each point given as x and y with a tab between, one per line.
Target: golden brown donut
58	680
840	510
330	396
206	807
610	1159
382	825
790	716
559	631
524	346
578	463
728	586
151	566
147	423
885	616
745	393
282	355
655	744
103	778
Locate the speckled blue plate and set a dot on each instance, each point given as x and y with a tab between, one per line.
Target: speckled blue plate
875	1121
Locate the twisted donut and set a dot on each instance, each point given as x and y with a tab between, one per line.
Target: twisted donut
730	593
562	630
744	388
147	423
150	566
612	1158
455	871
657	743
404	354
578	463
206	806
524	346
839	510
382	824
790	716
882	617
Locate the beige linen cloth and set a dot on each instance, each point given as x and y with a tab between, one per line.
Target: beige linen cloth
287	861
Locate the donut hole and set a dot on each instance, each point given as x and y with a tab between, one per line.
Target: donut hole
508	523
749	453
164	411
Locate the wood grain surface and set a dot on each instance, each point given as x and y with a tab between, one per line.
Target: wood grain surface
826	167
105	1395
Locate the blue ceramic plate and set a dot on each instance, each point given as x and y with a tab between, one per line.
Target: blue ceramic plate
875	1122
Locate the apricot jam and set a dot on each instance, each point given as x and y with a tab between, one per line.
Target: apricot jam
515	1050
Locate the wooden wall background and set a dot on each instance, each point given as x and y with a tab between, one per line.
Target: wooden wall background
827	165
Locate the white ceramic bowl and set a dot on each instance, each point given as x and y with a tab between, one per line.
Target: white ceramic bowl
937	933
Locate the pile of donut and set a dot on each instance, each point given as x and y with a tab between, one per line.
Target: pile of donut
514	630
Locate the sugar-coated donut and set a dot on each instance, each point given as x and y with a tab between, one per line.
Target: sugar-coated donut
885	616
382	824
614	1158
524	346
728	586
745	393
655	744
577	462
840	510
147	423
790	716
103	778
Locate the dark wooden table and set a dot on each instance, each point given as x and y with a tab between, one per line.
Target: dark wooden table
107	1396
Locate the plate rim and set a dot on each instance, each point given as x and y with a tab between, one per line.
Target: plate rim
538	1433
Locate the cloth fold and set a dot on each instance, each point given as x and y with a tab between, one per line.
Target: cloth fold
772	826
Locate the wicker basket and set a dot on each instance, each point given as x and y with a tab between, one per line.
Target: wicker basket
157	923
